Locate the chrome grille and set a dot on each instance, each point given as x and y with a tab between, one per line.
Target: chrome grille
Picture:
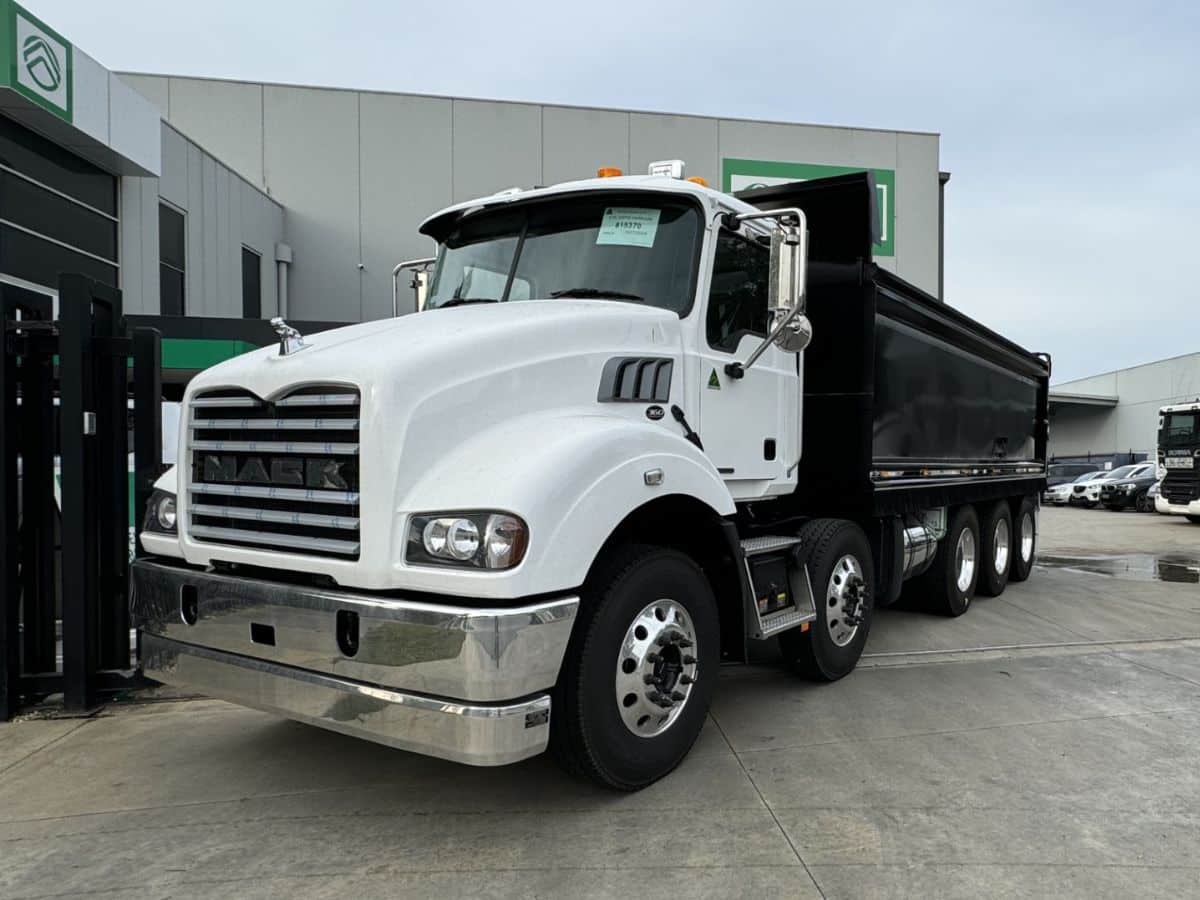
1180	486
280	474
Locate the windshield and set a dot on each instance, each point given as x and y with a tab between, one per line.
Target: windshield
1121	472
1088	476
634	248
1179	429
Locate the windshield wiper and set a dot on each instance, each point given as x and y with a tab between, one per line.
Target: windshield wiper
597	294
463	301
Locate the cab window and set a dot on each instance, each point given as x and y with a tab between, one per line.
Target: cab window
737	298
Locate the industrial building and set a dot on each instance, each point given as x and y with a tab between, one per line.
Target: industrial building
1115	414
208	199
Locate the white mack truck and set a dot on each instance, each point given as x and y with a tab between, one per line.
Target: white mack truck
638	425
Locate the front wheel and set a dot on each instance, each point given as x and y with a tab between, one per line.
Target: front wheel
1195	520
842	573
639	674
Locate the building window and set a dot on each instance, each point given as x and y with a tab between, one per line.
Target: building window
58	213
251	284
171	255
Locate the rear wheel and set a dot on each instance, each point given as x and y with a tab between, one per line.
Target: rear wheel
949	585
842	573
996	538
1025	540
638	677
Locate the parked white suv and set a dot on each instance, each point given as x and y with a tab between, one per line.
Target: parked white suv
1087	493
1060	494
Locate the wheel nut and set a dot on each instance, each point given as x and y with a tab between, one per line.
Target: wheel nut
689	660
652	657
677	695
684	642
648	678
686	679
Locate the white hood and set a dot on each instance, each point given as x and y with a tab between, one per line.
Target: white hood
432	382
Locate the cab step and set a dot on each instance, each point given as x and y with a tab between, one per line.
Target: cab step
780	595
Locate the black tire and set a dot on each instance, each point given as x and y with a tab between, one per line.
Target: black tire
1195	520
588	734
940	583
995	562
839	562
1024	525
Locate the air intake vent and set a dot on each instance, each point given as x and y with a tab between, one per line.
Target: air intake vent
636	379
280	474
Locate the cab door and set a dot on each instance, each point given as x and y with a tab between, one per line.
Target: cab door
750	426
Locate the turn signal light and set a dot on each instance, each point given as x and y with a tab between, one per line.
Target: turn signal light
608	172
696	179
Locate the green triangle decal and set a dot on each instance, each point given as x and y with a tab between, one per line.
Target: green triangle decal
714	383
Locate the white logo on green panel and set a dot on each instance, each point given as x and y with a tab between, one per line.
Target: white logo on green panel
42	63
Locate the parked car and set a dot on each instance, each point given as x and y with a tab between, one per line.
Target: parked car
1060	494
1066	473
1123	493
1152	495
1088	494
1079	493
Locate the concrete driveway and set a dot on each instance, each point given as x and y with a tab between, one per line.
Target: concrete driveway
1046	744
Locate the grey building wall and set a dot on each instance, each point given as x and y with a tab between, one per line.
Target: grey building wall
1133	423
359	170
223	212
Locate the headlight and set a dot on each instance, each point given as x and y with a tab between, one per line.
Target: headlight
479	540
160	513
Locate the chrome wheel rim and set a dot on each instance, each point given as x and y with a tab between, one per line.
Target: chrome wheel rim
843	600
964	559
656	668
1000	546
1027	532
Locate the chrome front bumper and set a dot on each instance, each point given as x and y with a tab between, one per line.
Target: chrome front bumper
452	681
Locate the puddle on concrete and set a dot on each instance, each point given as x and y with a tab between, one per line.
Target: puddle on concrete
1136	566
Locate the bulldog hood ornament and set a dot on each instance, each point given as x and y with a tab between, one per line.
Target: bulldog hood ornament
290	340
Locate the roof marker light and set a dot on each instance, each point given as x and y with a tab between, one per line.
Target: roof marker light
696	179
669	168
608	172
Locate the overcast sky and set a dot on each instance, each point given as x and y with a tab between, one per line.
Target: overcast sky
1072	134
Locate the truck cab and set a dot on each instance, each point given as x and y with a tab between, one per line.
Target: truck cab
543	510
1178	450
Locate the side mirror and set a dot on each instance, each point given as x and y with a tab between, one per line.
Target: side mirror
785	292
790	328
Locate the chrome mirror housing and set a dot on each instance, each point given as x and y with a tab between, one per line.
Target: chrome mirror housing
796	337
790	330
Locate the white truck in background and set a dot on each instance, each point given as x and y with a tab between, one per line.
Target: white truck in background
1178	451
496	526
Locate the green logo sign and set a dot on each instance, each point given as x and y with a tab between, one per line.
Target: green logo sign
41	63
744	174
35	60
714	383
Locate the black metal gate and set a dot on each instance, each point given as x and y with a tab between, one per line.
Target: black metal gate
65	569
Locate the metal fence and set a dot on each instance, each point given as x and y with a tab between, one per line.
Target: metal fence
65	386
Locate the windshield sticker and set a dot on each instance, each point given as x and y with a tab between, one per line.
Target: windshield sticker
628	226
